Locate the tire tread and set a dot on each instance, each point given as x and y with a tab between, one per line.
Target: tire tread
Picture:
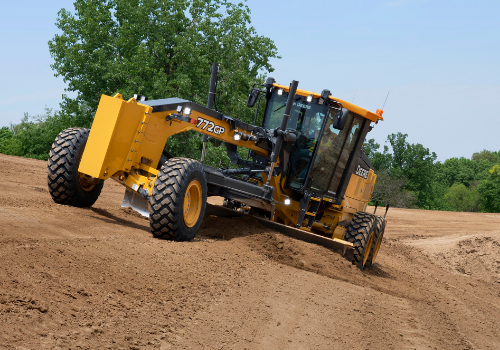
166	200
62	169
358	233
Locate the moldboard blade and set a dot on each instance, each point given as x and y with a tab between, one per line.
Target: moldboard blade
136	202
344	248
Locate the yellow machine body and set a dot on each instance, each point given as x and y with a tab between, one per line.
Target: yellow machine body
127	139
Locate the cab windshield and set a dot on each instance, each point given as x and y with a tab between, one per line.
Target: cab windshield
305	117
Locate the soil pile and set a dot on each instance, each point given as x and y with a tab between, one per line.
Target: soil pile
477	256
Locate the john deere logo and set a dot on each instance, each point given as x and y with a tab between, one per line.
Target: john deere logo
300	105
361	172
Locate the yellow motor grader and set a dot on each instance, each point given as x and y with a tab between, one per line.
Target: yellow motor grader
306	175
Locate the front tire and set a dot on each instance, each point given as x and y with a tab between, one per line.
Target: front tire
361	233
179	199
66	184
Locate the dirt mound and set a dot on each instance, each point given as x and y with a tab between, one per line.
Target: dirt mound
476	256
92	278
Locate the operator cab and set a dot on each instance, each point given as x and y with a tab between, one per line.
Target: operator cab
324	147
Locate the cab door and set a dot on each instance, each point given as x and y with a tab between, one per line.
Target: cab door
333	155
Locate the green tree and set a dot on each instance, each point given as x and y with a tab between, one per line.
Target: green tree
462	198
379	160
489	190
489	156
390	189
32	137
160	49
415	163
405	176
5	139
458	170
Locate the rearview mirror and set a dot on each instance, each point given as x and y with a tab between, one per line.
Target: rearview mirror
340	118
253	97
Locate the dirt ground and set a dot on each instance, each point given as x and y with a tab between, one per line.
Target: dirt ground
96	279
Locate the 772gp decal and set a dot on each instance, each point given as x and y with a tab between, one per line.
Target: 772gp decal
210	126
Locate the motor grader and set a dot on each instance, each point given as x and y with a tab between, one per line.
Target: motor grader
306	174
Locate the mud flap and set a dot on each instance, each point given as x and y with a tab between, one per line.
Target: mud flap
136	202
344	248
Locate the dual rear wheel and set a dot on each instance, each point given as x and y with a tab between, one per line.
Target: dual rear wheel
365	232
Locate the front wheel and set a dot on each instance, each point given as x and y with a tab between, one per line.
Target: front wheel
179	199
66	184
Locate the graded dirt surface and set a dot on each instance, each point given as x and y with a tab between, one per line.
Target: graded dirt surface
95	278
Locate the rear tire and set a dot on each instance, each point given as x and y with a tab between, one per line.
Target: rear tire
66	184
179	199
377	240
360	233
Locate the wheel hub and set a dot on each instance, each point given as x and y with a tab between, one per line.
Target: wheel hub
192	203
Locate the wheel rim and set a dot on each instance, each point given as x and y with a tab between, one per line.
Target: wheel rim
377	246
192	203
87	183
368	248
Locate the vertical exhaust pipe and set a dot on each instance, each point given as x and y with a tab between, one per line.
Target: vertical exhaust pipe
284	122
210	101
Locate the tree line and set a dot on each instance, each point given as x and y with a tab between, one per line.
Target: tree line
408	176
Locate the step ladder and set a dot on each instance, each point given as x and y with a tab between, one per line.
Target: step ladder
309	206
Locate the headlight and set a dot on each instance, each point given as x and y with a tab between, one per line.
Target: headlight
187	111
237	136
309	98
287	201
280	92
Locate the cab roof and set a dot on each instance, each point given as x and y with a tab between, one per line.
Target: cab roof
353	108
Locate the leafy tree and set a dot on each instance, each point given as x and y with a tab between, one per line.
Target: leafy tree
492	157
411	163
391	190
160	49
5	138
32	137
458	170
461	198
380	161
370	147
489	191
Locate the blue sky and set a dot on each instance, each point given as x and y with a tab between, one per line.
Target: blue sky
439	60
